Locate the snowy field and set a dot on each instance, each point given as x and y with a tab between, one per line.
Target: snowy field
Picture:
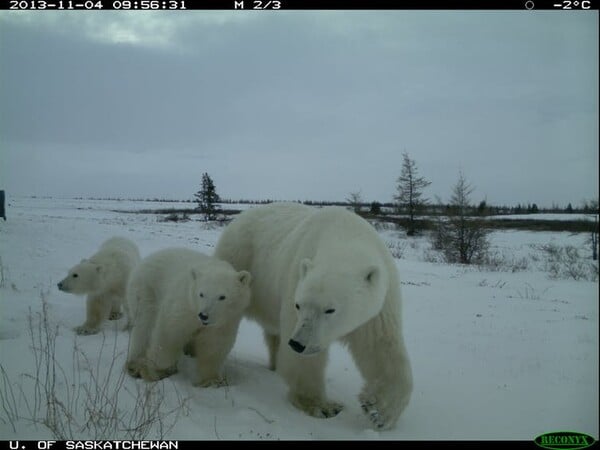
497	353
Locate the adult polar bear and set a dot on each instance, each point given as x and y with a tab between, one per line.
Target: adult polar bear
320	275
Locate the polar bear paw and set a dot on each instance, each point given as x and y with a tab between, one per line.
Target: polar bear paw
85	330
381	415
133	368
149	373
115	315
322	409
211	382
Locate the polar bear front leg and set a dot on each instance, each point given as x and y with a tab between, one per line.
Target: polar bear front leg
211	347
166	345
305	377
116	301
139	338
386	369
97	308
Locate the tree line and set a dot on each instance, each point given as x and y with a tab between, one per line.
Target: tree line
460	232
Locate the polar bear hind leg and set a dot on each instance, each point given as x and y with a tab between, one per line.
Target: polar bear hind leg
272	341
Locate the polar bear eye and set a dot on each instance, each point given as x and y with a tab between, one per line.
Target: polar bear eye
297	306
329	311
75	275
222	297
201	294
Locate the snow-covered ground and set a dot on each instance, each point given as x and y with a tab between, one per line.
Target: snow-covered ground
496	354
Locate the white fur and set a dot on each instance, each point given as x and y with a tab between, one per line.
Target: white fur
321	275
179	296
103	277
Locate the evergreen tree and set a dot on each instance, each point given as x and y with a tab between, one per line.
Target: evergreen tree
461	239
375	208
482	208
207	198
594	240
593	207
410	191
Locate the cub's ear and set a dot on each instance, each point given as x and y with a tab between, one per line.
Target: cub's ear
244	277
372	275
305	265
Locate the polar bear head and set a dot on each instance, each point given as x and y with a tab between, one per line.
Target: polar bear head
218	293
84	278
331	302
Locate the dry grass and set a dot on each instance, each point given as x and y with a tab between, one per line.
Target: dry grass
91	399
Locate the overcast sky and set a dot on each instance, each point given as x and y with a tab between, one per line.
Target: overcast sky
299	105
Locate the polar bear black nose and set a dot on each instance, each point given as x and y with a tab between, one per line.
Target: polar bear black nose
296	346
203	316
59	286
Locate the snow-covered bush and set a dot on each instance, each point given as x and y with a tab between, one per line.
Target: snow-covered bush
566	262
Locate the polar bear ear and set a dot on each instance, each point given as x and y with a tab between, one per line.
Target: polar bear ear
244	277
305	265
372	275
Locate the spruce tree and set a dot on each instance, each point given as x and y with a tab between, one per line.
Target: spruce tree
410	191
461	238
207	198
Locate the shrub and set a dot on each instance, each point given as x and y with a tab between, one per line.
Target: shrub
566	262
86	400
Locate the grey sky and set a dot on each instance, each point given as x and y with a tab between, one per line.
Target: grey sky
299	105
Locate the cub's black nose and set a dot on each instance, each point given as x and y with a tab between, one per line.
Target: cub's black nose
203	316
59	286
296	346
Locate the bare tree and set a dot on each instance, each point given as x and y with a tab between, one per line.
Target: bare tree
355	200
410	191
461	238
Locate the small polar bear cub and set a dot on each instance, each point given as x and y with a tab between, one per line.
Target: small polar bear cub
180	298
103	277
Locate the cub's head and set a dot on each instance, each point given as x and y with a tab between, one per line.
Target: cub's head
331	302
84	278
219	293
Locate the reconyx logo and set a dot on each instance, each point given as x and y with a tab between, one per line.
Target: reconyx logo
564	440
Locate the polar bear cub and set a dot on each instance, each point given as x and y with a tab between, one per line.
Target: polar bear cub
103	277
179	296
